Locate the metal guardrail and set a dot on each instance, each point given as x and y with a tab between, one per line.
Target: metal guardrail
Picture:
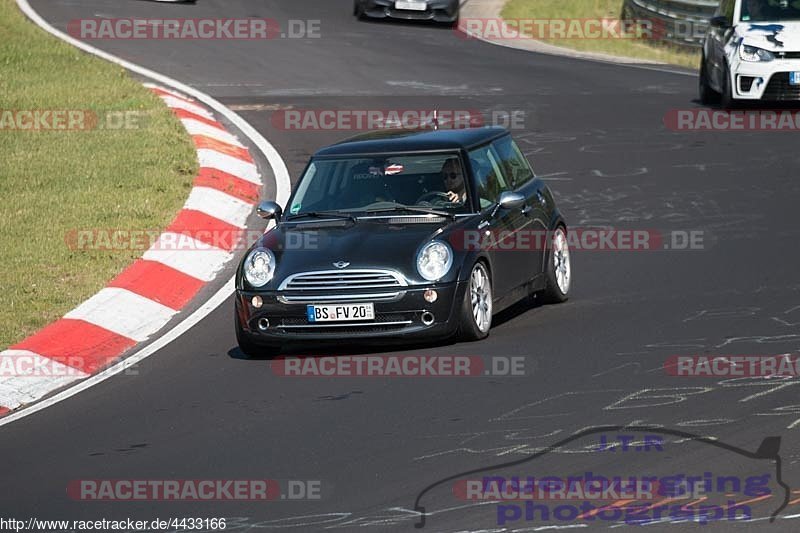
681	23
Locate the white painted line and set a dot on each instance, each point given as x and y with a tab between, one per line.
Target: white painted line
179	103
123	312
219	205
195	127
192	257
26	376
231	165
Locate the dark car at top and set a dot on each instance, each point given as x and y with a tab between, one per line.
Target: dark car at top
383	238
443	11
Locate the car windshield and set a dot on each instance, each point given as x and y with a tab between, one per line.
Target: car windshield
770	10
434	182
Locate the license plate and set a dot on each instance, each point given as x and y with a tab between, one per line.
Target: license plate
340	312
794	78
411	5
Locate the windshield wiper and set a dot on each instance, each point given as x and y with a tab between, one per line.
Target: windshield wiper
423	210
323	214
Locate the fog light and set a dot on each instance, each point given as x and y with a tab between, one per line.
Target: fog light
257	302
430	296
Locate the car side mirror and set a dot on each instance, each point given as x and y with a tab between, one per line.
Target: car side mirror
720	21
269	210
511	200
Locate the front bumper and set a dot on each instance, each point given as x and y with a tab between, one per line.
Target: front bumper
398	318
437	11
766	81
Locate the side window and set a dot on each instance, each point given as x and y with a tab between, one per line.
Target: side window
488	176
514	165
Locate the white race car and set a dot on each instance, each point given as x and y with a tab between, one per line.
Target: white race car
752	52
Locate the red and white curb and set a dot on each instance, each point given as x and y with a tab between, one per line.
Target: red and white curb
147	295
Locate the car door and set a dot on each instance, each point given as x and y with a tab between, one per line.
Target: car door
509	271
532	219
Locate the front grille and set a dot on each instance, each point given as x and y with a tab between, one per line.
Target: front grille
412	15
384	322
348	329
788	55
337	280
342	285
779	88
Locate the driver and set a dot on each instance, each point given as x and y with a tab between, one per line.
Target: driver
454	181
755	9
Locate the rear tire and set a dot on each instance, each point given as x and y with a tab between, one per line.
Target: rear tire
475	318
558	280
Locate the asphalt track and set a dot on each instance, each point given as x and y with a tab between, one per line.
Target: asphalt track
196	410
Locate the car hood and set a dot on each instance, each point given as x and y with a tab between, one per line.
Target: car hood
364	244
772	36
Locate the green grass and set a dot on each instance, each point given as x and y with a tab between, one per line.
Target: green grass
577	9
54	182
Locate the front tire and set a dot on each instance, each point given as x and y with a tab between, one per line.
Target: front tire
727	101
559	269
707	94
249	348
476	308
358	10
246	346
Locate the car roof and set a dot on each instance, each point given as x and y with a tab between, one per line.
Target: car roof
401	140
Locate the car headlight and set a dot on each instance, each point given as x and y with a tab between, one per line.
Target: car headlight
434	260
754	54
259	267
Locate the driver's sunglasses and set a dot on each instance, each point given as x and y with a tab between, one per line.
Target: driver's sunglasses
451	175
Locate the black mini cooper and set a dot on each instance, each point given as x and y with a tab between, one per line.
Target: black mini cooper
403	234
